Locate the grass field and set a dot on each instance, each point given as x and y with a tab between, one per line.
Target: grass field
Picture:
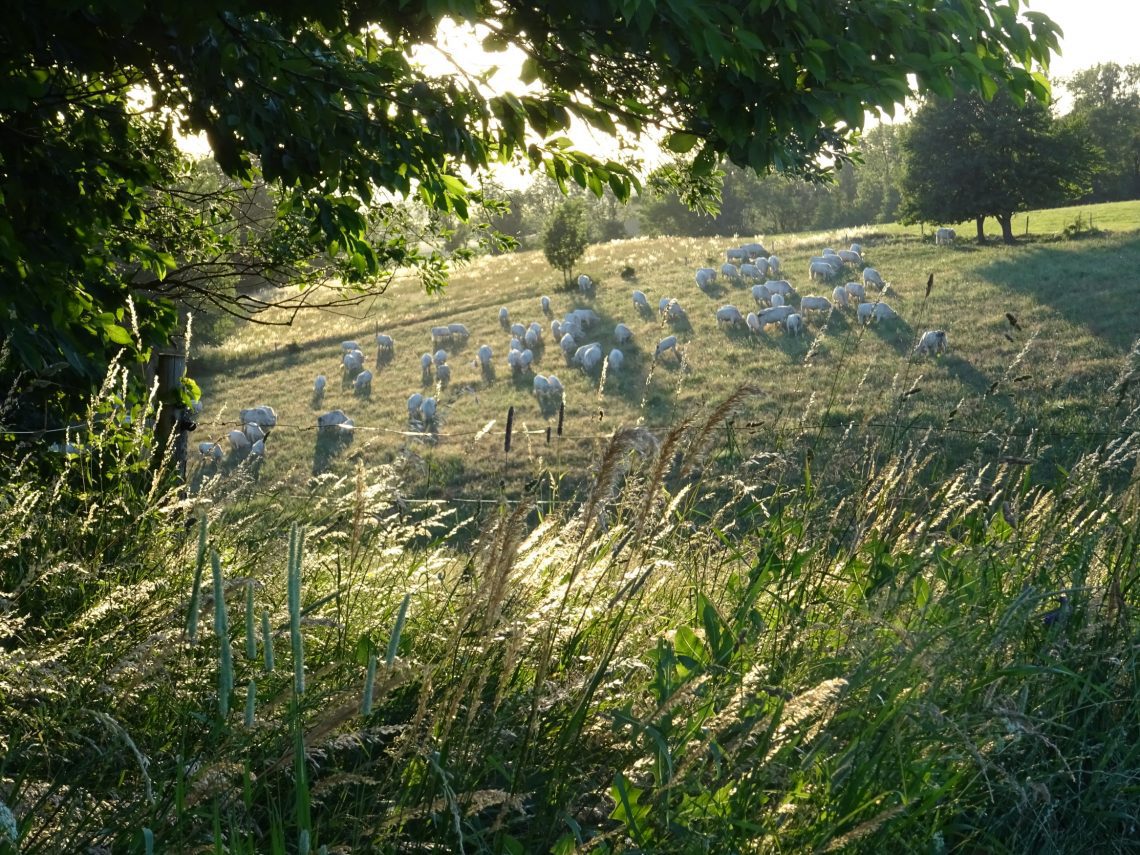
920	637
1052	377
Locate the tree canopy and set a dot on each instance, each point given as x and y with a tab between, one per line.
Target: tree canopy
966	158
1107	98
324	106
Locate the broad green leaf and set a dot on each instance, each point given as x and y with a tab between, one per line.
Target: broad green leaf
681	142
690	647
988	87
705	162
118	334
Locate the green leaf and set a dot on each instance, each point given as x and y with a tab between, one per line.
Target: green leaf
529	71
627	809
814	62
118	334
989	88
921	592
690	647
620	187
681	142
704	163
191	391
716	633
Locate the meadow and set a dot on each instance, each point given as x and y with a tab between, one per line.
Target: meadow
1049	378
795	596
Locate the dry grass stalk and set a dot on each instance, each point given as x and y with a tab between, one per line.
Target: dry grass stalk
613	466
665	453
819	702
498	569
698	448
864	829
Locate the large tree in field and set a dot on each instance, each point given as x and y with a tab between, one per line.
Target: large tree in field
968	158
325	106
1107	98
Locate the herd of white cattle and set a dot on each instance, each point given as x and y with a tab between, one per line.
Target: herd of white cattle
749	265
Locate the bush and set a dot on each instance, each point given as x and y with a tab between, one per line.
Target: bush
566	237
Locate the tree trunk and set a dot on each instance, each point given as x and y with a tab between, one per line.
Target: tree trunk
1006	222
981	231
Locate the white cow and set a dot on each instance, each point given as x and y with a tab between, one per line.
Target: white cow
705	277
729	315
813	303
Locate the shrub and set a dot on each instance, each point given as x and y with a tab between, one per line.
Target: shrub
566	237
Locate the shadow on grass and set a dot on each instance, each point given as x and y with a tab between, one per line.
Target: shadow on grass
736	333
1096	286
330	444
897	333
714	290
964	372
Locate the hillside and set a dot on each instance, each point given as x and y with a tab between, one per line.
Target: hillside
1050	377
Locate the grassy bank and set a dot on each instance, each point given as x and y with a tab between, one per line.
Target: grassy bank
805	595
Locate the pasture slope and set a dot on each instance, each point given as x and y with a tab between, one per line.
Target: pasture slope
1046	380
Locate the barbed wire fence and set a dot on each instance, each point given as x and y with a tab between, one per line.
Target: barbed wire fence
658	431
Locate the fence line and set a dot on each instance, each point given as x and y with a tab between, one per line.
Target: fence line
753	426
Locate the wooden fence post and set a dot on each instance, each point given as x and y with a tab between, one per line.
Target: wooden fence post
172	418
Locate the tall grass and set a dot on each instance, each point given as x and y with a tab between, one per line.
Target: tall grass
884	614
874	650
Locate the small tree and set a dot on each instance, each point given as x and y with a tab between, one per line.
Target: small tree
565	238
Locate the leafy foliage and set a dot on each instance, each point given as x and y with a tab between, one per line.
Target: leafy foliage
565	238
735	200
1106	98
967	158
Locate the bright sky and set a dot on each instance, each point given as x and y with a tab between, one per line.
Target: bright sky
1095	31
